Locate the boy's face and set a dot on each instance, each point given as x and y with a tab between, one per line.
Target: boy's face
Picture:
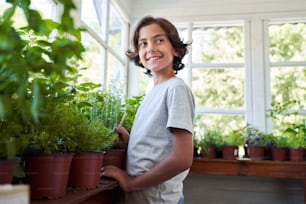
155	50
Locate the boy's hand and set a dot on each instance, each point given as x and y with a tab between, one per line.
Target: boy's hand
123	137
121	176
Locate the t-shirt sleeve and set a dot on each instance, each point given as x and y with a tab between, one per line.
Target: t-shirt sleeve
181	108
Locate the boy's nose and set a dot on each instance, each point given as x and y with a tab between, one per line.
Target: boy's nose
151	48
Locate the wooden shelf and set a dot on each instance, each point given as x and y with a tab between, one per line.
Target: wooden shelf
80	196
247	167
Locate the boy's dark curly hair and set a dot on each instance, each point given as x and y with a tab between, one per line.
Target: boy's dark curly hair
179	46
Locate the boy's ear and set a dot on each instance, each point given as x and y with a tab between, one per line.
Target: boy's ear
175	53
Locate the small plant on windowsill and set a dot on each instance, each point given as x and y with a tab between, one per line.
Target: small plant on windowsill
253	136
291	124
255	142
296	134
231	143
210	143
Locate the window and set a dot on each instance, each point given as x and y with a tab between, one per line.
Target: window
94	14
218	75
287	54
47	9
105	41
93	60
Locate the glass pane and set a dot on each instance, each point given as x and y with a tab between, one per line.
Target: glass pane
115	32
287	42
114	73
93	13
144	82
183	32
93	60
289	83
218	88
217	44
47	8
225	123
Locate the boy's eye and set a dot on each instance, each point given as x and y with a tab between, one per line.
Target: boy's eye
159	40
141	44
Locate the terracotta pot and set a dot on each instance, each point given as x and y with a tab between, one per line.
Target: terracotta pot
47	175
279	154
256	153
296	155
210	154
85	170
6	171
229	152
115	157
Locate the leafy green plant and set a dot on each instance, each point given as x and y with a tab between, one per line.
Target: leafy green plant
253	136
55	132
131	106
292	124
209	139
280	141
103	108
34	65
94	137
296	134
234	138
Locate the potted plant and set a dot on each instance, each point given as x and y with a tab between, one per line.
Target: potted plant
279	147
91	137
231	143
292	125
296	134
49	152
13	140
25	84
105	105
209	143
255	142
41	75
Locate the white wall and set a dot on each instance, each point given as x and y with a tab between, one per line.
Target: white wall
125	6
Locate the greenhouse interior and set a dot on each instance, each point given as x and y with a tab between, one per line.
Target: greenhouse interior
152	102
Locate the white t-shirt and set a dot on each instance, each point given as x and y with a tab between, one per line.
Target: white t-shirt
167	105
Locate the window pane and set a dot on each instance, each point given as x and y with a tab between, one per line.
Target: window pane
115	32
93	60
94	15
217	45
287	42
183	32
218	88
114	73
47	8
144	81
288	83
224	123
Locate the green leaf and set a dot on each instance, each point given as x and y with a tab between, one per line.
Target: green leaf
36	101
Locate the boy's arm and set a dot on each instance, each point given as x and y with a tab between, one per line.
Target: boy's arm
178	160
